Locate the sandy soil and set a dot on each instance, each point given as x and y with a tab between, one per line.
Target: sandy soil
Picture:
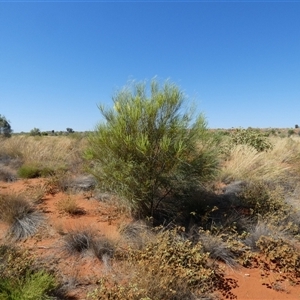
80	274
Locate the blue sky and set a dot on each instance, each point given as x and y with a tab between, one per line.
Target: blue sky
238	61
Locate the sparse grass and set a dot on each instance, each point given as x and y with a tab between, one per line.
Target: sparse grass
36	193
103	248
47	152
69	205
78	240
7	174
20	215
136	234
259	230
217	248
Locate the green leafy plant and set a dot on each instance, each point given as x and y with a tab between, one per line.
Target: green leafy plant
32	286
28	171
32	171
149	148
19	280
35	132
251	137
291	132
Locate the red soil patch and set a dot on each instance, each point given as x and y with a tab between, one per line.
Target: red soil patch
81	275
252	286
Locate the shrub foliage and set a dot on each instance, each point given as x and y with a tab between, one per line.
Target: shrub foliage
251	137
149	148
169	267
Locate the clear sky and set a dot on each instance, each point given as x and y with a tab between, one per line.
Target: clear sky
238	61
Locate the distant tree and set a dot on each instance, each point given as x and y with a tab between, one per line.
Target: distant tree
296	126
290	132
35	132
5	128
70	130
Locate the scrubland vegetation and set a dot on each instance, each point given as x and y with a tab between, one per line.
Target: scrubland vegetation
197	198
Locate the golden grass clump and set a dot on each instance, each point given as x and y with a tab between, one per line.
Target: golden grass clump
49	151
70	206
245	163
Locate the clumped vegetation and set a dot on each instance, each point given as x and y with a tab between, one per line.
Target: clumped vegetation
168	267
252	137
80	240
20	215
18	278
69	205
222	197
149	149
45	155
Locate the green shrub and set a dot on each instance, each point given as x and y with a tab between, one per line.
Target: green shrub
251	137
27	171
35	132
170	267
149	148
30	171
19	280
33	286
291	132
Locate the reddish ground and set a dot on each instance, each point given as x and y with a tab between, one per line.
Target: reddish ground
82	274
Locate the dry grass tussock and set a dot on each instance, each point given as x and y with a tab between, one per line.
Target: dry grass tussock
21	216
245	163
49	151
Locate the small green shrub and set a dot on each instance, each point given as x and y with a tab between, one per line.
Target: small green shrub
251	137
149	148
35	132
291	132
19	280
31	287
27	171
31	171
